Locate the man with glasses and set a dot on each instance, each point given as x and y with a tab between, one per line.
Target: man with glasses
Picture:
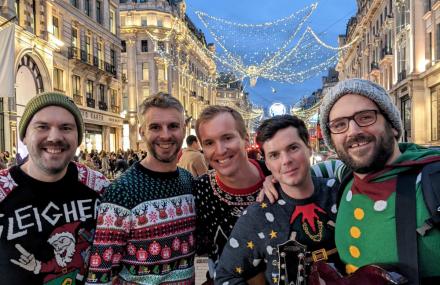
362	124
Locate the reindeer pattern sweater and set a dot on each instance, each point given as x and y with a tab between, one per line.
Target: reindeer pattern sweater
145	230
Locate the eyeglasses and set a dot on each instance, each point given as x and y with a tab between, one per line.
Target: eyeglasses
362	119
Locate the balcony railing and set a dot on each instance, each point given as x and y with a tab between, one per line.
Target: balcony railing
77	98
374	66
90	102
386	51
102	106
75	53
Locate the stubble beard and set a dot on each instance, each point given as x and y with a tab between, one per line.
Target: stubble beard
383	151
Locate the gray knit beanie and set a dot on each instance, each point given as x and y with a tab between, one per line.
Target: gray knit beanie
50	99
362	87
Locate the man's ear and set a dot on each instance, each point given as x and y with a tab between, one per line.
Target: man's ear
395	132
141	132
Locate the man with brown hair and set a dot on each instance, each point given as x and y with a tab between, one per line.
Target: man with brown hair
147	217
233	184
192	158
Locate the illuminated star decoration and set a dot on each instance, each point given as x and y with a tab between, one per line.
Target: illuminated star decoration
273	234
238	269
250	244
263	205
285	50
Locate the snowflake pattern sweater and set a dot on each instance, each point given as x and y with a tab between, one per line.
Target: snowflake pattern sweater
46	229
145	229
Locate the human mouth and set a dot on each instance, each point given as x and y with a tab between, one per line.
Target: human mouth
355	145
53	150
165	145
224	161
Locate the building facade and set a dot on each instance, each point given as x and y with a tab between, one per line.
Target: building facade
397	46
163	51
70	47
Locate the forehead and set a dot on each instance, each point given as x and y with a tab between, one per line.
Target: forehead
282	139
53	115
161	116
219	125
349	104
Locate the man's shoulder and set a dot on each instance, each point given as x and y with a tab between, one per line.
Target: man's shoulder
93	179
7	183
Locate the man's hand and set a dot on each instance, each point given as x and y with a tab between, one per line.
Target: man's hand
27	260
268	190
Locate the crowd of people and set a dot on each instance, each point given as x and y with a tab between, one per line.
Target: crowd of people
278	220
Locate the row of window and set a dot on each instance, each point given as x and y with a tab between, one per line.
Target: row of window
99	12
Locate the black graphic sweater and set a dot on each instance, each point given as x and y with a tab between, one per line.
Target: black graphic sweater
46	229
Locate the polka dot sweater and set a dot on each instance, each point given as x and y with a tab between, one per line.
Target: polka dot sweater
145	229
254	242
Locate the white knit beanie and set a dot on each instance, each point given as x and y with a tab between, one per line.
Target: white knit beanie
365	88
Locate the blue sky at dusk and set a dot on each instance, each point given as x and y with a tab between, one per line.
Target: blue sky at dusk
328	20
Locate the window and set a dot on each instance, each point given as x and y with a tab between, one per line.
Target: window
161	46
144	21
17	10
58	79
113	97
437	43
88	49
76	85
112	21
435	108
101	93
113	58
89	89
87	7
124	46
145	92
145	71
161	73
98	12
144	46
33	18
123	18
74	3
406	117
428	50
74	38
159	22
100	56
56	27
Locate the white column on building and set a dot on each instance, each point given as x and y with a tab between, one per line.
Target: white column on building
132	91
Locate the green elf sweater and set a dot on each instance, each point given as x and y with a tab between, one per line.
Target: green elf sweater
366	222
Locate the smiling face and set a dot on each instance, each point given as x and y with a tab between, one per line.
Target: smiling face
363	149
51	139
163	133
288	158
223	146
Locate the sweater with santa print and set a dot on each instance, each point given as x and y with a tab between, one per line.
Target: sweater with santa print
144	232
46	229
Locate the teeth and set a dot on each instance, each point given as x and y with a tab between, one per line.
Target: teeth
53	150
165	145
358	144
224	160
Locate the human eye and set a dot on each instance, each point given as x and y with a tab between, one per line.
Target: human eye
293	147
41	127
154	127
338	124
174	126
365	117
273	155
207	143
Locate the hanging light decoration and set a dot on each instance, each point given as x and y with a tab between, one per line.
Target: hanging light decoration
286	50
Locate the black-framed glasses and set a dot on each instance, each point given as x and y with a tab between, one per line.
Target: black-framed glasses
362	119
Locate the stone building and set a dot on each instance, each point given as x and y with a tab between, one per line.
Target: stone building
398	47
70	47
163	51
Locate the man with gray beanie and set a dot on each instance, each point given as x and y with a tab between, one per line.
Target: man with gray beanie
361	123
48	204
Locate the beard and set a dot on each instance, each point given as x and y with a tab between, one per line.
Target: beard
383	150
164	158
65	256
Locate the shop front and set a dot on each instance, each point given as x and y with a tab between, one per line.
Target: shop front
102	131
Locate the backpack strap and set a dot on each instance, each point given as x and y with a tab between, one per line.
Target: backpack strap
406	225
431	195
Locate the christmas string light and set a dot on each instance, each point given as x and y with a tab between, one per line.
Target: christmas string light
293	53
